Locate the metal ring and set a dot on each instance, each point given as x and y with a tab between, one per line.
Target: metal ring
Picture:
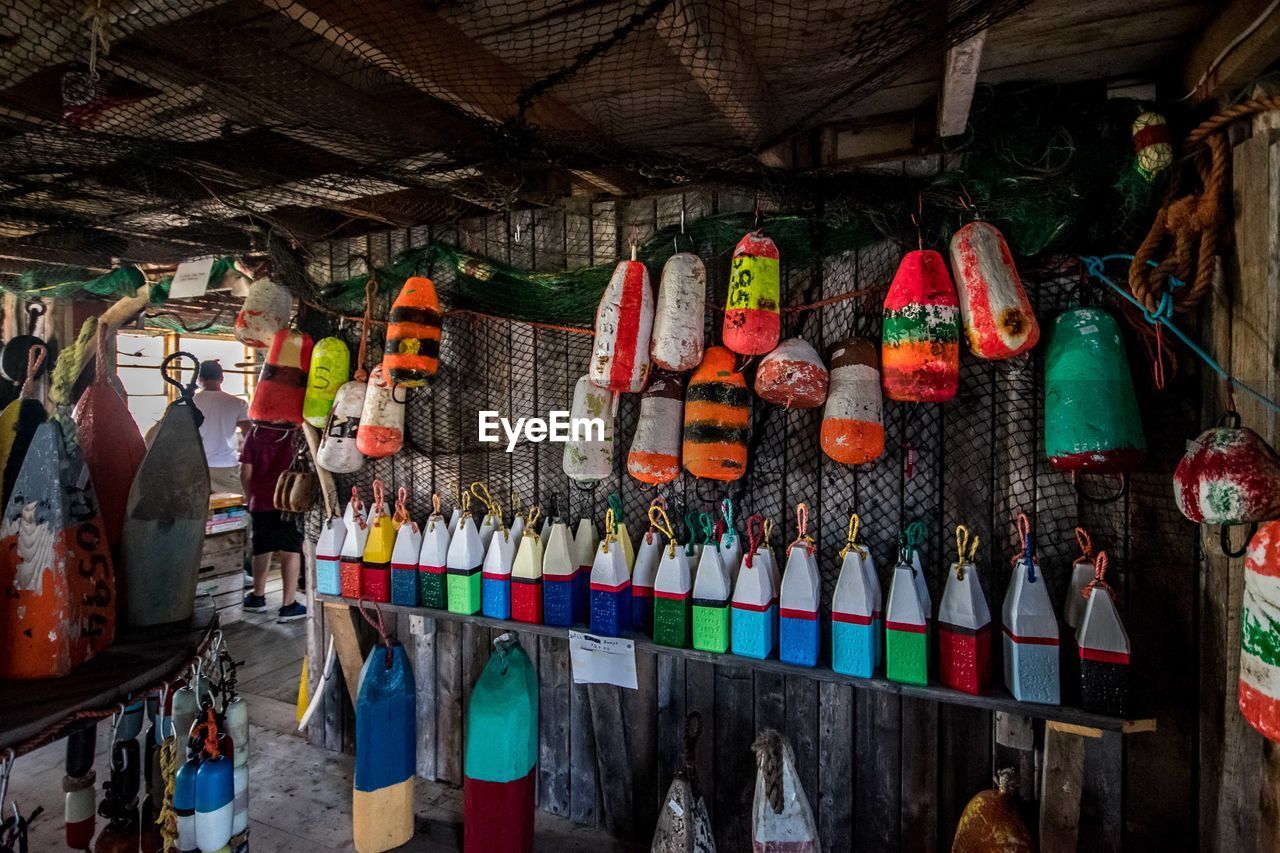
1224	540
1077	478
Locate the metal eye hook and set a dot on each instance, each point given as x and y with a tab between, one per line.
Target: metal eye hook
1077	481
1224	541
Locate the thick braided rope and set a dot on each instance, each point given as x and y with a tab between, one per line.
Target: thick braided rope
167	818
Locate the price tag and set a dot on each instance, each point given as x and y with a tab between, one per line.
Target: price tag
191	279
602	660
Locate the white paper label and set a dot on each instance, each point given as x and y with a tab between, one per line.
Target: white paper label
191	279
676	808
602	660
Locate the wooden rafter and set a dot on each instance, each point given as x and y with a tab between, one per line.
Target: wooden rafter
959	79
1244	59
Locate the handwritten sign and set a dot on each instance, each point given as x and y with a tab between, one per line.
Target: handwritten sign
191	279
602	660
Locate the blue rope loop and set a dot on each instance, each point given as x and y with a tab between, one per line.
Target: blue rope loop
1028	555
730	532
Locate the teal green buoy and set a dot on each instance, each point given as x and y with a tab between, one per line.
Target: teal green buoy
1091	421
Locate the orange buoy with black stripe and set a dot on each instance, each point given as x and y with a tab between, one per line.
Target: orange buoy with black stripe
413	334
716	416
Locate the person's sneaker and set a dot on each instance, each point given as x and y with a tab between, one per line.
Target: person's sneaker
292	612
248	579
255	603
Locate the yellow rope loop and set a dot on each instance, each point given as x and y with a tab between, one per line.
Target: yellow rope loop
481	491
964	541
517	504
531	520
465	504
610	534
495	510
851	541
768	531
658	518
166	817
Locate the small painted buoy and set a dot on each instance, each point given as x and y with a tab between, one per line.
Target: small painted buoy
588	455
1031	669
79	807
495	577
964	623
1229	475
1091	421
328	553
265	311
645	570
672	587
679	314
353	544
654	457
215	802
998	319
404	556
752	322
184	708
716	419
1104	648
559	566
282	384
375	565
990	821
854	610
184	802
792	376
920	351
338	451
586	539
412	354
710	601
781	819
330	368
1151	144
386	746
610	584
381	432
1259	687
753	615
624	325
852	431
1081	575
526	575
906	628
433	559
798	603
464	563
236	715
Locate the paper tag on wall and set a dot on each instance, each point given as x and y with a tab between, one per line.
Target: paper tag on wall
602	660
191	279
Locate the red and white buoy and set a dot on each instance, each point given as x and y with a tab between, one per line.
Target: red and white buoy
624	325
998	320
792	376
964	623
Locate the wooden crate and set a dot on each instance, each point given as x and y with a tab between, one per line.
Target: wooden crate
222	573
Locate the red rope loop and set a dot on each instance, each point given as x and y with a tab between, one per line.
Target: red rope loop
1099	578
35	360
379	499
755	535
380	626
661	503
1086	544
802	528
210	727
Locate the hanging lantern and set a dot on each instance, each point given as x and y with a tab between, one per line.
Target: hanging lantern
412	354
679	314
265	312
654	458
1259	690
964	623
998	320
330	368
1229	475
588	455
381	431
752	322
716	418
610	584
1151	144
433	559
339	452
753	615
1031	671
855	609
852	422
526	575
780	815
792	376
386	743
624	324
282	384
798	603
991	821
920	347
558	570
1104	648
1091	421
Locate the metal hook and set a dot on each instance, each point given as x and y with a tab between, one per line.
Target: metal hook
1224	540
1077	481
698	482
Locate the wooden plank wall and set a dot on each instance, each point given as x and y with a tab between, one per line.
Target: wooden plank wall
881	772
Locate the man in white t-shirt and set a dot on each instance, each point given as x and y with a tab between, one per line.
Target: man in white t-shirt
223	414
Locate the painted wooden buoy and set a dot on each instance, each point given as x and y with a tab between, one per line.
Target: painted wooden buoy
683	823
412	354
1091	421
588	455
265	311
624	326
717	414
184	802
495	577
375	564
712	589
1031	669
1259	687
1151	144
338	452
964	623
752	322
586	539
854	610
18	423
998	319
991	821
610	584
672	587
852	430
328	553
381	432
643	573
753	615
80	805
654	457
404	556
282	384
464	563
1081	575
1104	648
501	757
730	541
433	559
798	603
386	743
792	376
559	566
526	574
906	624
679	314
351	556
215	790
1229	475
330	368
781	819
920	351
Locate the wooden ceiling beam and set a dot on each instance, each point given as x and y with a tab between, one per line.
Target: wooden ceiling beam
1243	61
959	80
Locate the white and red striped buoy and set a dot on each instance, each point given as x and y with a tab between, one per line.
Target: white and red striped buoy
998	320
624	326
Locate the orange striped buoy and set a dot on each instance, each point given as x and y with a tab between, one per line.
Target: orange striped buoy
413	334
716	416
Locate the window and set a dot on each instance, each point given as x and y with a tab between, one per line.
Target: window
138	358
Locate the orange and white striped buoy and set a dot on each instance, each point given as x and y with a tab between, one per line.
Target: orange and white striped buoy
412	353
655	450
852	429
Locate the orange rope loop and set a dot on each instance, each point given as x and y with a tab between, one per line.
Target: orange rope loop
1099	578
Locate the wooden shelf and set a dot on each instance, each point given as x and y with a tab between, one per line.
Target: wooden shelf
1061	717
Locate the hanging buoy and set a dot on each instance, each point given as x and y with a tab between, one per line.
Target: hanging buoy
679	314
610	584
752	322
282	384
433	559
753	616
1104	648
1081	575
404	556
412	354
588	455
964	623
643	574
381	432
18	423
624	325
184	801
998	320
265	311
215	791
711	591
717	414
386	744
798	605
495	576
1229	475
781	817
501	753
1259	687
558	570
1030	629
526	574
1091	420
464	563
236	715
906	621
920	351
330	369
338	451
353	546
683	824
855	609
792	376
1151	144
375	564
585	541
991	822
328	555
672	587
654	458
79	808
852	429
185	707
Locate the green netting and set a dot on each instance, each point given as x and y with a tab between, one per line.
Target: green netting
75	282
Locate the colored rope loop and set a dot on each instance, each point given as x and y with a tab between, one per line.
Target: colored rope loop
615	507
663	526
965	541
1086	544
691	528
380	626
707	526
802	528
517	504
464	503
768	530
379	499
435	504
210	726
481	491
610	528
656	502
495	511
851	537
1099	578
755	534
401	514
35	360
726	513
532	519
1025	536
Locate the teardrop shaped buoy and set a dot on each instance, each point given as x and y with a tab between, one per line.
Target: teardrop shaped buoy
710	602
753	617
654	457
282	385
1151	144
1229	475
998	319
433	560
1091	420
386	746
780	815
1104	648
964	623
330	368
526	575
854	610
752	322
464	565
717	415
792	376
798	604
339	453
679	314
920	350
559	567
1031	670
265	311
588	454
852	431
404	558
610	582
381	432
1259	687
624	325
412	354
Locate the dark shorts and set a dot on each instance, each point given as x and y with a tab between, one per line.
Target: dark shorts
273	532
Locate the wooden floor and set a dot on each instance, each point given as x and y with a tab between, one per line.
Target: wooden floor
299	795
